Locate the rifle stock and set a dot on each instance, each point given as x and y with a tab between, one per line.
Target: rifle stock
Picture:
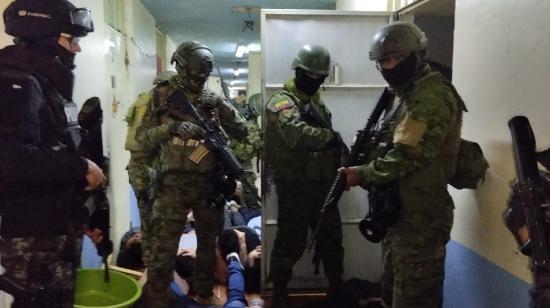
531	190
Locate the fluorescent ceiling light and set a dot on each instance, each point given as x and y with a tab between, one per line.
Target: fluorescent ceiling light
254	47
241	49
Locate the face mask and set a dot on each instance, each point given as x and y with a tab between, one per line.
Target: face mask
401	73
307	84
191	79
50	47
198	81
66	57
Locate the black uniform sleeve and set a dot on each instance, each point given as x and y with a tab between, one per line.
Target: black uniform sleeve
24	160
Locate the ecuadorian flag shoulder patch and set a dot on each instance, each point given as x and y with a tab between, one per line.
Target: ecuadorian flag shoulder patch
280	103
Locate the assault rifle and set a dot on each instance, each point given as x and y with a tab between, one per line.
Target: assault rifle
533	195
214	139
366	140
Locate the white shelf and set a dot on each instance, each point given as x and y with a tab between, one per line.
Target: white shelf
332	86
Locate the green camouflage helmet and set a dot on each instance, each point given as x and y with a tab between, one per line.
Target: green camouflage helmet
163	77
314	59
398	39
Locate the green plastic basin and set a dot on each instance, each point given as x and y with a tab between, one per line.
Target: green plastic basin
91	291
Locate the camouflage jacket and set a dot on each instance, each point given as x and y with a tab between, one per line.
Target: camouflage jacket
293	144
248	148
175	154
425	133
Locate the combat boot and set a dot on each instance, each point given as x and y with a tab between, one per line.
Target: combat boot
334	285
280	299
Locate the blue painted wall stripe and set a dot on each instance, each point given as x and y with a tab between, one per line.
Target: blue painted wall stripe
471	281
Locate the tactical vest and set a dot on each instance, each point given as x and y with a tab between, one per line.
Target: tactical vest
61	126
135	118
189	155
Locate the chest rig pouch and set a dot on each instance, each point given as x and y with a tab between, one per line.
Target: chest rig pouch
187	155
199	155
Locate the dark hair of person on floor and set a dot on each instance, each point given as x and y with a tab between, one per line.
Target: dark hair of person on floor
185	265
228	242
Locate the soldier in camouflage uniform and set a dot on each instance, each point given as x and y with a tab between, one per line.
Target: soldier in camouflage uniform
143	111
188	175
425	135
304	157
41	172
245	151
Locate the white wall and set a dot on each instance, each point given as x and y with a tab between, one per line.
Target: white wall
502	69
171	47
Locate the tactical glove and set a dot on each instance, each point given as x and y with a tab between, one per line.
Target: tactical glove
185	130
209	98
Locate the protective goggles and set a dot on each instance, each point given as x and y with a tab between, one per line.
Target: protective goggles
82	18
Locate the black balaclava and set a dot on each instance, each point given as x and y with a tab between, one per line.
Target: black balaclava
403	72
307	84
50	47
193	81
44	57
66	57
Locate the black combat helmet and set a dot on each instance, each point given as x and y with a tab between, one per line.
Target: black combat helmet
41	18
194	63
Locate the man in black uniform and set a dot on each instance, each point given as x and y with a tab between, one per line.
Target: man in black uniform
41	174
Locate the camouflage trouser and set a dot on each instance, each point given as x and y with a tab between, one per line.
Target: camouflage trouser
414	268
250	192
138	175
47	263
178	194
299	207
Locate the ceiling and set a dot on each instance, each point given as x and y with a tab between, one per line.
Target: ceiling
220	24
